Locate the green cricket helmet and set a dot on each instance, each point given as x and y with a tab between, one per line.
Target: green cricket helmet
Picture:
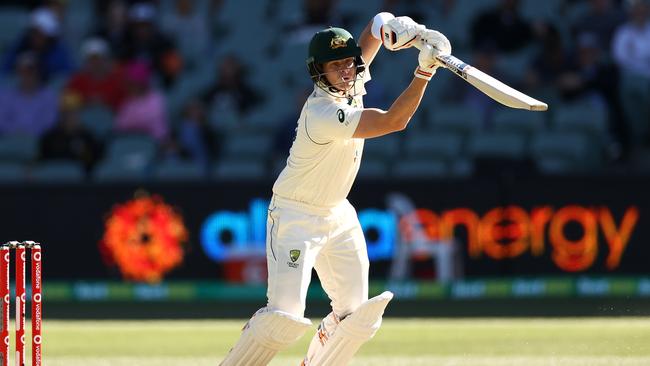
328	45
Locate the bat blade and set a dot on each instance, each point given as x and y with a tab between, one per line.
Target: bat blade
490	86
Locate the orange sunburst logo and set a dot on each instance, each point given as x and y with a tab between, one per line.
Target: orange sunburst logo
144	238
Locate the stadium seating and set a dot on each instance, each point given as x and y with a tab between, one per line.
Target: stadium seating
385	148
247	146
373	169
128	157
57	172
132	150
174	170
564	151
19	148
11	172
455	118
584	118
229	170
112	171
497	145
419	169
443	146
518	121
13	21
98	120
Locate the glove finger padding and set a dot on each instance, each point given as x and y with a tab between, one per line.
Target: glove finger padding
400	33
435	39
427	62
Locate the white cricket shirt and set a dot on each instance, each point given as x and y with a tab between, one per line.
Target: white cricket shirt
324	158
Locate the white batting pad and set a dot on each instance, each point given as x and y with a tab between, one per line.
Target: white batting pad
265	334
344	341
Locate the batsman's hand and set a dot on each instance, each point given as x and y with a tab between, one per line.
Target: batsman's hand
400	33
427	62
434	39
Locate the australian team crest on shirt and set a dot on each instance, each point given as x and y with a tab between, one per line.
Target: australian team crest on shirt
294	255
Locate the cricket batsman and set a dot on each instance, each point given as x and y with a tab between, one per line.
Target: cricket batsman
310	222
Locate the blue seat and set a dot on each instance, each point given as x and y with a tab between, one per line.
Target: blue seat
247	145
497	145
574	150
229	170
13	21
99	120
178	171
554	165
133	151
18	148
373	169
536	10
383	148
113	171
420	169
461	168
58	172
581	118
11	172
443	145
518	121
455	118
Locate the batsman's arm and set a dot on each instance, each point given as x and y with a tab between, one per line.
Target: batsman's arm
371	38
376	122
369	44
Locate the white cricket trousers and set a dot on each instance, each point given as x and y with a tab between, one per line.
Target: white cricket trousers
301	237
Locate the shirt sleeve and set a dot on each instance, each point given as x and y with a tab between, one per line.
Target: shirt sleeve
334	121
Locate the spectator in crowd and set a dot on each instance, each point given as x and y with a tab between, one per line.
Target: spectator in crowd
631	44
75	19
194	139
190	29
586	75
286	128
30	107
504	27
143	110
547	64
416	9
315	15
232	93
601	21
100	80
145	42
484	59
69	139
631	50
42	40
113	26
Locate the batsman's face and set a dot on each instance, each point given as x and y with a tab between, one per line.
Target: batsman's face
341	73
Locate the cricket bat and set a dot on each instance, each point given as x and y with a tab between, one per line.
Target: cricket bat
490	86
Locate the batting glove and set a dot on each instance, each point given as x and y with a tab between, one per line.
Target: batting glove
427	63
435	39
400	33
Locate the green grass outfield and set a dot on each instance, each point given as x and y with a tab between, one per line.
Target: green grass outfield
588	342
